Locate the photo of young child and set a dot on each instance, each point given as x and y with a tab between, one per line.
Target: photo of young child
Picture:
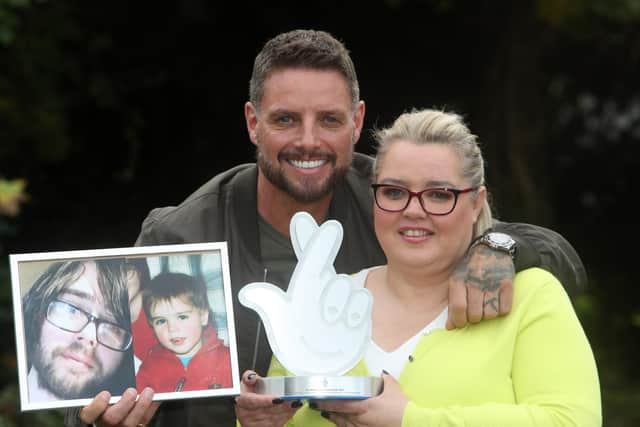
189	354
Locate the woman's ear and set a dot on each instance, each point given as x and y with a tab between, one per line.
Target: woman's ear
478	202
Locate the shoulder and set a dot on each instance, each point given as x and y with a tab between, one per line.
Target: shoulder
211	339
209	193
213	353
536	275
536	288
362	167
360	277
357	180
185	222
362	162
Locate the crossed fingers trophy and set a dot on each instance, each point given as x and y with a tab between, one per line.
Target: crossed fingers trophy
320	326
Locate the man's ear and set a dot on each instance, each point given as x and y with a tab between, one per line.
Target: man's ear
358	121
251	118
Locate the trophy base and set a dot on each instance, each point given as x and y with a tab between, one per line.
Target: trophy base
320	387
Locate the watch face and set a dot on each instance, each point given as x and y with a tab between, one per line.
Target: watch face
501	239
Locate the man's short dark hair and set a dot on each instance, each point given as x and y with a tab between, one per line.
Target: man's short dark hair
310	49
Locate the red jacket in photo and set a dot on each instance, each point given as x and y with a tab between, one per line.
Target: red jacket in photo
209	368
143	336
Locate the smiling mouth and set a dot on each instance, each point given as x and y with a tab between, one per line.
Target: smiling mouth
415	233
307	164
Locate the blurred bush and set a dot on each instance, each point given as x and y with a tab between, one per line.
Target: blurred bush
12	197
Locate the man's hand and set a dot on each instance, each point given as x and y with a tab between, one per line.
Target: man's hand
481	287
130	410
260	410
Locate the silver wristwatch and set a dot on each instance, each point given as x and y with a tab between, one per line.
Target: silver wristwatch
499	242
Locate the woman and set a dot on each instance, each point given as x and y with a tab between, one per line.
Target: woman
533	367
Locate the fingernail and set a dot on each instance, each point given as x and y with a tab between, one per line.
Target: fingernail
325	414
130	393
296	404
251	376
104	395
313	405
147	392
277	401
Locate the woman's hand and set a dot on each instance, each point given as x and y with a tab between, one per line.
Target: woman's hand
260	410
384	410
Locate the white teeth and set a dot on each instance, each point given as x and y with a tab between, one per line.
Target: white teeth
307	164
414	233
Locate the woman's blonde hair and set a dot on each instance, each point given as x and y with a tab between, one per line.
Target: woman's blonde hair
430	126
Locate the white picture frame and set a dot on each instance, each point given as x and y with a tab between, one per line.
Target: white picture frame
207	261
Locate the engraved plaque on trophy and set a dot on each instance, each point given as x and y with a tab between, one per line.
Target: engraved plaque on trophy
320	327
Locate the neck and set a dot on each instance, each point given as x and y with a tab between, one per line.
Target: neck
415	287
404	303
278	207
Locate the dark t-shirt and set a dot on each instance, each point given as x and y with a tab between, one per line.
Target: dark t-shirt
277	254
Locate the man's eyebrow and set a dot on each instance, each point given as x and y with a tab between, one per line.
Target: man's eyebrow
280	111
285	111
335	112
80	294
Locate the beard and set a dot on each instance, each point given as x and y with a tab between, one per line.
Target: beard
64	383
306	189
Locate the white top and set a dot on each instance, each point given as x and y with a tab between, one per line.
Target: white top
37	393
394	362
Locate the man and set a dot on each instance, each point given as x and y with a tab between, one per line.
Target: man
76	328
305	117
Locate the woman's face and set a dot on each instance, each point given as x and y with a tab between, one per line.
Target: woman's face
414	238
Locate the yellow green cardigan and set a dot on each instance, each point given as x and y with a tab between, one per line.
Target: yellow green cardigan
533	367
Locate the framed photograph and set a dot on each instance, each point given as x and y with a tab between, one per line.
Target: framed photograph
109	319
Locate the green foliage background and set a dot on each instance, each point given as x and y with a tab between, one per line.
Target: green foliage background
110	109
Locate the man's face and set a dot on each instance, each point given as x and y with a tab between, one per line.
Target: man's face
73	364
305	131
